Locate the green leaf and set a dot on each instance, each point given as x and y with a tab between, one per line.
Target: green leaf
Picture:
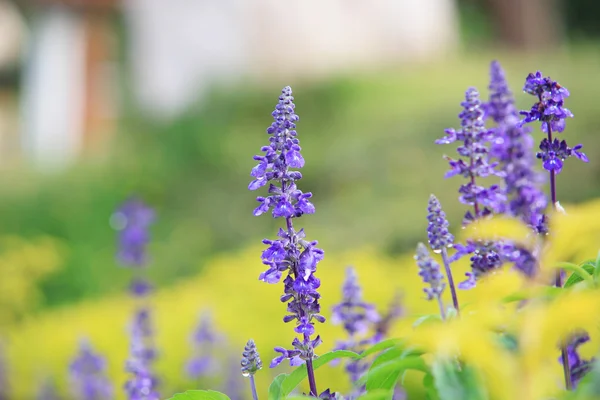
290	382
597	270
509	342
580	273
388	366
275	390
200	395
430	389
379	394
381	346
454	383
426	318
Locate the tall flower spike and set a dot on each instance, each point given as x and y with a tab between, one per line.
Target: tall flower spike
88	375
204	338
429	270
513	148
143	382
250	365
357	317
550	111
475	162
291	253
440	239
133	219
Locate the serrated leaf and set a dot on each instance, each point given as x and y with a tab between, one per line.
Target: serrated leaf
200	395
299	374
275	390
454	383
385	375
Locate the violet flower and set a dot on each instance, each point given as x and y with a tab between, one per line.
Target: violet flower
251	363
474	162
203	363
550	111
578	366
142	385
88	375
357	317
133	219
429	270
440	239
513	148
290	253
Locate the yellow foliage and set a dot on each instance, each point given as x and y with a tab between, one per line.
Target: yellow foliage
244	307
22	264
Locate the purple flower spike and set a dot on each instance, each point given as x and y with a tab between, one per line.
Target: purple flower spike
430	272
550	111
353	313
133	219
87	374
437	229
475	162
291	254
512	147
142	384
203	340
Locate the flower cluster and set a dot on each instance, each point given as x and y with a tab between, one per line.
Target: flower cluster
437	230
357	317
251	362
513	148
87	372
133	219
475	163
430	272
142	385
550	111
291	253
204	339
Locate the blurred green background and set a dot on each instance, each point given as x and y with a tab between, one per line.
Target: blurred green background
367	136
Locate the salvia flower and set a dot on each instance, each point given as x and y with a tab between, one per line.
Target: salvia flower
352	312
357	317
204	339
475	162
437	230
430	272
88	375
578	366
143	382
133	219
251	362
513	148
290	254
550	111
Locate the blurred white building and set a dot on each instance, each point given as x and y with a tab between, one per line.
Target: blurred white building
181	47
177	49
